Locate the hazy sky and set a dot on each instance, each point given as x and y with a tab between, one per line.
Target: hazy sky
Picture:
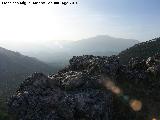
136	19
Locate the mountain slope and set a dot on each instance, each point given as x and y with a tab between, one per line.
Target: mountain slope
14	67
142	50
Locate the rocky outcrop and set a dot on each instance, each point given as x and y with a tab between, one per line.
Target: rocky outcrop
81	91
74	93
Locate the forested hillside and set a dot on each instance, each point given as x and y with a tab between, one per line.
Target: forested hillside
14	67
142	50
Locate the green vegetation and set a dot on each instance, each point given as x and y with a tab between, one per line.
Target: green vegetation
3	111
142	50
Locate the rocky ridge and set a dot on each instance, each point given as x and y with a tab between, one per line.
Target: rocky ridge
79	92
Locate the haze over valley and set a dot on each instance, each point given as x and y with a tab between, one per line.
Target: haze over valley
58	53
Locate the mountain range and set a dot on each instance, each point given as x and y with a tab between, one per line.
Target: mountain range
57	53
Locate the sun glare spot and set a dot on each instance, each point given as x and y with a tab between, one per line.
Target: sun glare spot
154	119
136	105
112	87
116	90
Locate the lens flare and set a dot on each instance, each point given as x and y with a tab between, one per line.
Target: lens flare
109	84
136	105
154	119
112	87
116	90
